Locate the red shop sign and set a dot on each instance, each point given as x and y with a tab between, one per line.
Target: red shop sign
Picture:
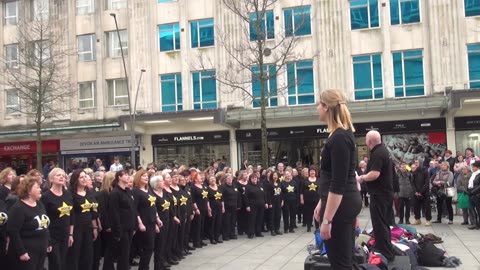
15	148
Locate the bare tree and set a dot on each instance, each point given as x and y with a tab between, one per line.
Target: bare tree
256	54
39	74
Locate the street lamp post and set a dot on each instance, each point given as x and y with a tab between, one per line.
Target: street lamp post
133	119
130	111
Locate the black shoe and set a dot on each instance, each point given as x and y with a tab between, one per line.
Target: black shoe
226	239
400	222
259	235
309	229
299	221
408	222
285	231
291	231
240	233
203	244
273	233
304	225
234	237
264	230
172	262
188	252
190	248
295	226
464	223
278	233
474	227
213	242
197	246
134	263
176	258
437	221
184	254
250	236
166	265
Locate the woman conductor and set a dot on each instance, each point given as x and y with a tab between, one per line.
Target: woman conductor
340	200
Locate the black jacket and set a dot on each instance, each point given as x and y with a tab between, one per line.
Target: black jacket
122	212
420	181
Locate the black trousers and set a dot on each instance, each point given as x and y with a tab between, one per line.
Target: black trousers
308	209
36	262
422	204
340	247
229	220
3	253
475	210
242	218
57	259
380	207
172	240
80	255
187	233
109	253
266	219
300	213
181	235
97	252
364	194
145	245
215	223
198	227
159	254
404	210
122	250
276	216
289	214
255	219
448	203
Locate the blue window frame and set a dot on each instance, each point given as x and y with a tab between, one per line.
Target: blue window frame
474	65
367	77
266	22
202	33
404	11
408	73
472	8
300	83
297	21
169	35
270	73
364	14
171	92
204	90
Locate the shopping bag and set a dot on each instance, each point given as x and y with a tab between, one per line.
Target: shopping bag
463	200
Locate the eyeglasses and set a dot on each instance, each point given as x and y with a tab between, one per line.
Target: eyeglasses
102	170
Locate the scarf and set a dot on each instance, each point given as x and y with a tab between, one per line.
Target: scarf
470	181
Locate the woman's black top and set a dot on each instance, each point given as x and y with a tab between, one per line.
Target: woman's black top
122	212
103	208
290	191
59	210
230	196
255	195
4	191
163	207
241	189
84	209
310	190
338	164
188	193
215	198
200	197
27	228
3	224
173	203
144	204
182	200
277	195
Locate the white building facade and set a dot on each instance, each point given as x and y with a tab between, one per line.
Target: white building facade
408	67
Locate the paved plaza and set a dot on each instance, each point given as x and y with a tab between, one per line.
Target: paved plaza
289	251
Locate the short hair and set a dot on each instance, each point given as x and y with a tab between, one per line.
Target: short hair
476	164
96	175
88	170
448	151
25	186
138	177
469	149
16	182
54	172
154	181
446	164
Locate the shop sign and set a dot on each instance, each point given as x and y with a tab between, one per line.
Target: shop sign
283	133
30	147
402	126
96	143
467	123
191	138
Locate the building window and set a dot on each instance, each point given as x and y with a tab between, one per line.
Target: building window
117	92
404	11
270	75
11	12
204	90
171	92
367	77
11	55
266	22
408	73
364	14
86	48
202	33
116	4
300	83
169	35
12	103
40	9
114	49
297	21
472	8
41	51
85	7
86	95
474	65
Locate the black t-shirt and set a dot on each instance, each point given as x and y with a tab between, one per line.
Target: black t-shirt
59	210
3	223
84	209
200	197
380	161
230	196
215	198
4	191
163	207
121	211
255	195
289	190
310	190
144	204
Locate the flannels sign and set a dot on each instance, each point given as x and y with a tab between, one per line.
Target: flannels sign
191	138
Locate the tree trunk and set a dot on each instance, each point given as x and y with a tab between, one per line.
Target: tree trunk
263	127
39	165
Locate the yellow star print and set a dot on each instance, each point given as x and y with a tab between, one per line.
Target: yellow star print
183	200
44	222
290	188
152	200
166	205
218	196
175	200
86	206
204	194
64	210
3	218
312	187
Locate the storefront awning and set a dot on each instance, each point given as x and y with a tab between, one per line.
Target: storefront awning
217	116
15	132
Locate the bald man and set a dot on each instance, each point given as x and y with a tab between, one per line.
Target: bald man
379	179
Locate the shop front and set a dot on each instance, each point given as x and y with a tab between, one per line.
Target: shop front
83	152
467	133
196	149
21	156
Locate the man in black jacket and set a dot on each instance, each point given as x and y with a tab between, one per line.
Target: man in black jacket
421	198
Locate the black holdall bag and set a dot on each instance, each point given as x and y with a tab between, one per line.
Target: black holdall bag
317	262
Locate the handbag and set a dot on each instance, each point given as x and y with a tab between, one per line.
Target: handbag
451	192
